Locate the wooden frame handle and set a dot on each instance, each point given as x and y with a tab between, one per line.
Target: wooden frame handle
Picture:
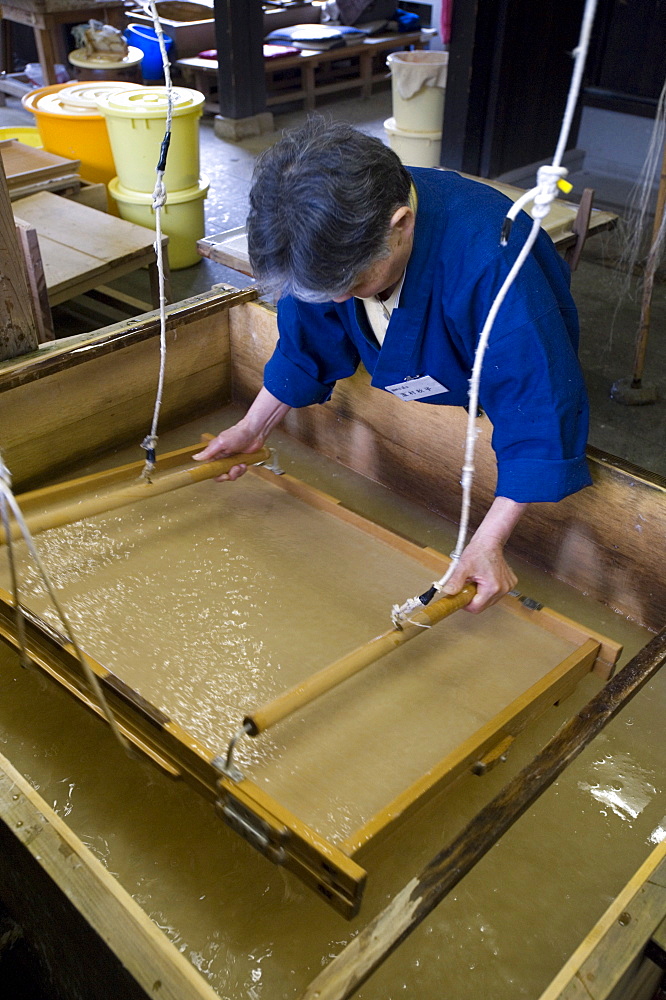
128	494
305	692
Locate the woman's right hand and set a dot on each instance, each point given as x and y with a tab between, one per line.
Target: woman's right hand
248	435
234	440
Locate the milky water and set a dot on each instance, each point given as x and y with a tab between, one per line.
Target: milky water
253	930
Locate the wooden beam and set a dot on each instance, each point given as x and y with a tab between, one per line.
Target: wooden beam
366	952
34	268
18	332
129	493
262	718
239	33
635	915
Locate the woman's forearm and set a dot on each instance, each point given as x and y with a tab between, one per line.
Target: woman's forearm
265	412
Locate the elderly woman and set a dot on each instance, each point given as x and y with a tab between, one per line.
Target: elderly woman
397	269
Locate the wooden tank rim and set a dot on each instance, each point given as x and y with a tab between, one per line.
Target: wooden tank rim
71	351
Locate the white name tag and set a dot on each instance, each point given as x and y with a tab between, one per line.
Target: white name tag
417	388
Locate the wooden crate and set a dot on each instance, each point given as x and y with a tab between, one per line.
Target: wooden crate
217	336
29	170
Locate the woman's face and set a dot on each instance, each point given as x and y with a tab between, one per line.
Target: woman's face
384	274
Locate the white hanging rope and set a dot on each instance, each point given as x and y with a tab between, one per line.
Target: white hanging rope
8	502
149	443
549	178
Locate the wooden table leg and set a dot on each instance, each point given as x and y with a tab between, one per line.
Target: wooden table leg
308	74
365	67
46	52
6	55
115	16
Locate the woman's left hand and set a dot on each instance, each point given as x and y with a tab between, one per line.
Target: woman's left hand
483	560
487	568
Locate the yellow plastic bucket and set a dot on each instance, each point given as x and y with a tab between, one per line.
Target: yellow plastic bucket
182	217
28	136
70	124
136	121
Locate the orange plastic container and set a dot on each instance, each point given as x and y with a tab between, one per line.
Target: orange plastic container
71	125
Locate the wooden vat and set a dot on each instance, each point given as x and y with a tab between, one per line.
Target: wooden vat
220	340
607	541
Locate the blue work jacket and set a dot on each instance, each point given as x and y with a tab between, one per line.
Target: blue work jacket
531	388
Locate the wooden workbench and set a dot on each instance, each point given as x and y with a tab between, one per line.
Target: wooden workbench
83	249
311	74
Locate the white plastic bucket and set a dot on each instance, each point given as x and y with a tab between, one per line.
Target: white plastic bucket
135	121
415	149
415	74
182	217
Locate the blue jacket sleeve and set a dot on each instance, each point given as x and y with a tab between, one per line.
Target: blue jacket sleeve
532	387
312	352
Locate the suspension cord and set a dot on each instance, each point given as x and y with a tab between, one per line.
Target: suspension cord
149	443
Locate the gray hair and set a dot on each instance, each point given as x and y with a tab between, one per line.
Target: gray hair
321	203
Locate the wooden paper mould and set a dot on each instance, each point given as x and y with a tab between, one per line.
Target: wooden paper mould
328	868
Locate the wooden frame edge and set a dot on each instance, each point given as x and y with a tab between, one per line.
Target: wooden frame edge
553	687
144	951
627	917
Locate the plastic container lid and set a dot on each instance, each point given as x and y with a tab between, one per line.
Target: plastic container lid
78	99
78	58
173	197
391	127
151	102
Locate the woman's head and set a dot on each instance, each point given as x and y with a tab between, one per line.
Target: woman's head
321	209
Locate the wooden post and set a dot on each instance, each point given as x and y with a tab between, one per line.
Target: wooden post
632	391
239	32
34	271
648	281
18	333
366	952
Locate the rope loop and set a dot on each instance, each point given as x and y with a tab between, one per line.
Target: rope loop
548	178
159	194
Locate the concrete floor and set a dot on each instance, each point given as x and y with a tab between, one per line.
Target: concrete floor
608	323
